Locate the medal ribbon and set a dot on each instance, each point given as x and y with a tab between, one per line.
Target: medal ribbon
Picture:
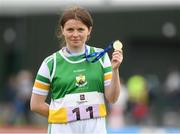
97	55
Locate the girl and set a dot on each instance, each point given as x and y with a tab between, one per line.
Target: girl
78	87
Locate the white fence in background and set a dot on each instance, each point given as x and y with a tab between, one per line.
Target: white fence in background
38	6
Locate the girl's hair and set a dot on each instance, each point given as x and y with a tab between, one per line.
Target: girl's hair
76	13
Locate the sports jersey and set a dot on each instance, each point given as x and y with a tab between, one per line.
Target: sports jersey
76	85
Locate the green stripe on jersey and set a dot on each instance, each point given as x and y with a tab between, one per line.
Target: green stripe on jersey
42	78
107	69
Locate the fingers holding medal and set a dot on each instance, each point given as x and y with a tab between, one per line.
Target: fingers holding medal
117	55
117	45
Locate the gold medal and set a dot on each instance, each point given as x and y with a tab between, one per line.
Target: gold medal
117	45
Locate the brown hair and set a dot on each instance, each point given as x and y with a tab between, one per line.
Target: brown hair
76	13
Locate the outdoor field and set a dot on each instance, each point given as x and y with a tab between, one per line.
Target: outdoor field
22	129
125	130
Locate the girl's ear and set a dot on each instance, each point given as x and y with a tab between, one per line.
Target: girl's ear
62	30
90	29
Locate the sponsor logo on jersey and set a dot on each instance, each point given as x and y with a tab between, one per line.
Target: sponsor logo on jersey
82	97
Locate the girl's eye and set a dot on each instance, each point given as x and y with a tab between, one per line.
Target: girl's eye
70	29
80	29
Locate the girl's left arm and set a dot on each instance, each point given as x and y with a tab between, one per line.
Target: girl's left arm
113	90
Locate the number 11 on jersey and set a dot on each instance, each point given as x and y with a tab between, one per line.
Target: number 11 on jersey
83	112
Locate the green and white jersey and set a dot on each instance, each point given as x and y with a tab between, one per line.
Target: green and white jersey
77	86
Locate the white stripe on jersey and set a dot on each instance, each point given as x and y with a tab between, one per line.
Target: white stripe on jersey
107	83
40	91
74	100
107	62
44	70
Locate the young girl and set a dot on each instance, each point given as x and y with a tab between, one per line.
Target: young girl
78	87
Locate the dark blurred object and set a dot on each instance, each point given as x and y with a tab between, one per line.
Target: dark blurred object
9	92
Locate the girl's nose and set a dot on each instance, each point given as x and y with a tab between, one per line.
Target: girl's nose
75	33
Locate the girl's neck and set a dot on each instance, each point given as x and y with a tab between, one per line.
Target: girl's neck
77	50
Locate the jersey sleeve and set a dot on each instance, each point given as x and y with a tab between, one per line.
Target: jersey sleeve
107	67
42	80
107	70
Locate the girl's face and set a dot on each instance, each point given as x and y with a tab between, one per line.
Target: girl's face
75	33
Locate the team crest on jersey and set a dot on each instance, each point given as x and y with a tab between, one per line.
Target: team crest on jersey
81	80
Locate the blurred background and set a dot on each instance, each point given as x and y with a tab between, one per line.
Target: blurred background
150	73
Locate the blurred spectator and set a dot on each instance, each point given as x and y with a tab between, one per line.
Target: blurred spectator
8	97
116	118
172	94
9	92
138	98
154	100
153	87
172	86
24	88
172	82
